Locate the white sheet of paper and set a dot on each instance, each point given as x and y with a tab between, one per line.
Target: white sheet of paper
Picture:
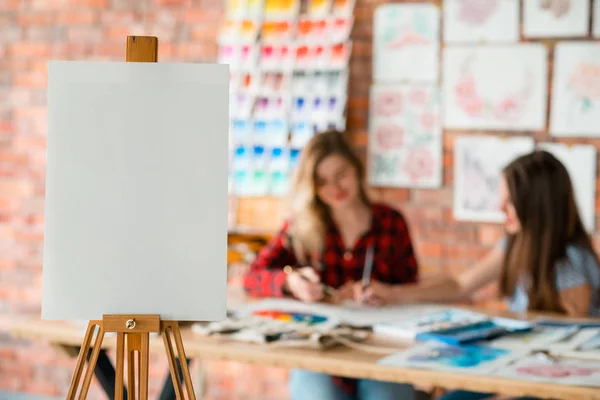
478	164
470	359
556	18
350	313
564	372
580	162
575	82
476	21
499	87
136	190
596	19
406	43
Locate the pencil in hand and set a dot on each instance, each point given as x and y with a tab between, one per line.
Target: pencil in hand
327	290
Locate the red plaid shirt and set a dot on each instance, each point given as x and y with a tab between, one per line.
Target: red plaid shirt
394	259
393	262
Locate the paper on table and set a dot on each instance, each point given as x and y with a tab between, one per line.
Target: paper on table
473	359
350	313
136	190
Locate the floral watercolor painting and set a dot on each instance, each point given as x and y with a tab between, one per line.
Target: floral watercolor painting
576	83
406	43
495	88
562	372
405	136
473	359
556	18
478	162
475	21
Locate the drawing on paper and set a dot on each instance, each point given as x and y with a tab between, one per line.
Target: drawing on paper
405	147
558	8
481	185
556	18
556	371
508	108
475	21
564	372
576	104
460	356
476	12
495	88
478	164
474	359
405	42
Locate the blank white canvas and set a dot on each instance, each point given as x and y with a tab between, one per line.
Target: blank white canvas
475	21
596	19
406	43
501	87
580	162
136	190
576	86
556	18
478	164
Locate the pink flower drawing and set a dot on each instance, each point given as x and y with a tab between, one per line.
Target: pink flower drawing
510	108
419	164
467	97
585	81
476	12
428	120
555	371
390	136
388	103
558	8
418	97
407	37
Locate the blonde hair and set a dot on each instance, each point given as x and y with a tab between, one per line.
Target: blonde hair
309	214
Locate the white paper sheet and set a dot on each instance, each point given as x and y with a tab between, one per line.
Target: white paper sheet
596	19
478	164
501	87
556	18
476	21
406	43
469	359
349	313
563	372
576	87
136	190
405	136
580	162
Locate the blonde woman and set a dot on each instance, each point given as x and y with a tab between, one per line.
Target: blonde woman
332	225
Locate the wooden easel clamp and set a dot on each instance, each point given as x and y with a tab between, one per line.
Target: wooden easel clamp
133	329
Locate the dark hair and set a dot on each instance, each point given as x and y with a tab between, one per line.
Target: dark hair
540	189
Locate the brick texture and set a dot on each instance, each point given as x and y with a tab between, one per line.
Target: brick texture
35	31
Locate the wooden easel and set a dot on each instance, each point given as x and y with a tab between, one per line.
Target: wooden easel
135	328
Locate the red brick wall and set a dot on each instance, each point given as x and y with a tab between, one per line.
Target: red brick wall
34	31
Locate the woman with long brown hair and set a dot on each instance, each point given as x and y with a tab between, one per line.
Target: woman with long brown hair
332	227
545	263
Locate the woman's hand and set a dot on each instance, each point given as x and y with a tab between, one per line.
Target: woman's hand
309	288
344	293
377	294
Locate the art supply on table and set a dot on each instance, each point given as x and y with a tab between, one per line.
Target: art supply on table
453	326
327	290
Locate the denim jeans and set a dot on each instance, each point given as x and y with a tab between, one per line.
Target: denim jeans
464	395
307	385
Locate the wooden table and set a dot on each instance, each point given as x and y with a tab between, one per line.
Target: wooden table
338	361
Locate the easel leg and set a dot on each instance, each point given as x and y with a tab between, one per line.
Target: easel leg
120	366
138	347
81	360
168	328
